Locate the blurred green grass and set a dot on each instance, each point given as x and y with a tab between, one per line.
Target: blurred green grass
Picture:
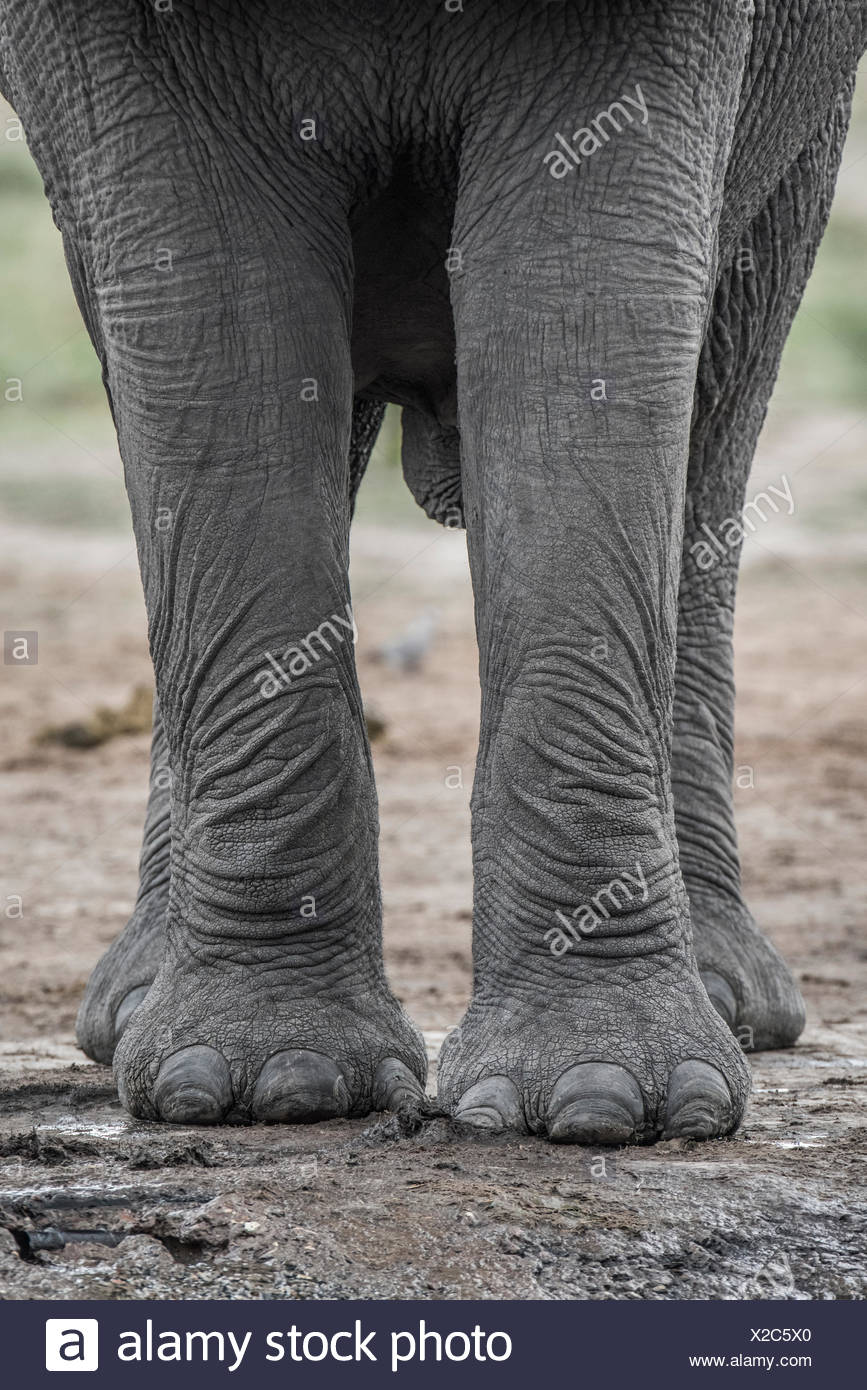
63	416
42	339
825	359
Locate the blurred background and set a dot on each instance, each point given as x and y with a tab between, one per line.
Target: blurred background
73	739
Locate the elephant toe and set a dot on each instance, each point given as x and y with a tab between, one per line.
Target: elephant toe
193	1087
299	1087
595	1103
395	1087
127	1008
721	995
699	1104
493	1104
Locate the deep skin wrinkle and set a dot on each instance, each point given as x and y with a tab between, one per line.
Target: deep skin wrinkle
357	208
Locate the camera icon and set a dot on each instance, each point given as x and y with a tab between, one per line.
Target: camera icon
71	1344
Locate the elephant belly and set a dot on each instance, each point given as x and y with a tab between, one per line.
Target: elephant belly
403	337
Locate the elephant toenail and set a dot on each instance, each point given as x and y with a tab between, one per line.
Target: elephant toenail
299	1087
721	995
193	1087
493	1104
395	1087
699	1104
595	1103
127	1008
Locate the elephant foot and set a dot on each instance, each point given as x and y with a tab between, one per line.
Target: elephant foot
214	1045
621	1056
121	979
747	980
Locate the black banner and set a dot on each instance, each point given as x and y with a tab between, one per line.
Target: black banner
422	1344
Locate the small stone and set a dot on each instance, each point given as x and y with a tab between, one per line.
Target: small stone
137	1256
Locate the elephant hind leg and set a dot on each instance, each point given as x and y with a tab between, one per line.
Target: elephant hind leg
367	417
756	297
125	973
431	458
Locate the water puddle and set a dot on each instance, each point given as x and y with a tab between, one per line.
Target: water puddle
796	1061
813	1141
106	1129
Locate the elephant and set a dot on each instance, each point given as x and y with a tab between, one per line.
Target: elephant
568	239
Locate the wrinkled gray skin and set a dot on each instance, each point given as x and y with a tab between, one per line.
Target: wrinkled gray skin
326	258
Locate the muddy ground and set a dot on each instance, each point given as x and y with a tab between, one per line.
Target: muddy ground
93	1205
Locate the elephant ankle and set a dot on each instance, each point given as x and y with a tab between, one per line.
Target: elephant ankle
717	905
292	953
626	909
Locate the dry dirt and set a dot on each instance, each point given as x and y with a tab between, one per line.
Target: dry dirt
93	1205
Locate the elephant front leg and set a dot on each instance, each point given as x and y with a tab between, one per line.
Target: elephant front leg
589	1021
126	971
234	423
578	333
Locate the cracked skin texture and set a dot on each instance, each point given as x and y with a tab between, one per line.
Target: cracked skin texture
605	651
